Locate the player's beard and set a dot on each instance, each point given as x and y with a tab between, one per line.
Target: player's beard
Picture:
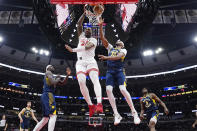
144	93
88	35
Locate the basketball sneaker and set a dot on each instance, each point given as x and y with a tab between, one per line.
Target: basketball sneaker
136	118
99	108
117	119
91	110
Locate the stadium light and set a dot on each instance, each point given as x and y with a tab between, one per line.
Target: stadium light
148	53
41	52
34	50
159	50
1	39
46	53
195	39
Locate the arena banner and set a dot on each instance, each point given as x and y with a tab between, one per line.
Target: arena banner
158	18
15	17
35	20
27	17
4	17
192	16
94	1
180	16
168	16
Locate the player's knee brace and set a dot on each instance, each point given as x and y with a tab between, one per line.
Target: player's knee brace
53	117
94	76
109	89
81	79
122	88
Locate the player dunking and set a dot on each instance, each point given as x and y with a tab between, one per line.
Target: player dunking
115	72
86	64
149	106
25	116
48	98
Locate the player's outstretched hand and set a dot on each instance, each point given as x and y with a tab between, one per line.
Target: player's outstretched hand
21	120
166	111
68	71
102	57
141	117
101	20
68	48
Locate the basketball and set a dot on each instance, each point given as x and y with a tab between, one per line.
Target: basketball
98	9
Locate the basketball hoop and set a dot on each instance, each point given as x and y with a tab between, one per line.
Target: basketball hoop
96	14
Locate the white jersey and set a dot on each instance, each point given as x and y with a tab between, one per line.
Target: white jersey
87	54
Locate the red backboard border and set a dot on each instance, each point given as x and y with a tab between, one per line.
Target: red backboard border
94	1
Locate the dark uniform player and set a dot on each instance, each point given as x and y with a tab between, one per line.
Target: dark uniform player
115	73
195	123
25	117
149	106
48	98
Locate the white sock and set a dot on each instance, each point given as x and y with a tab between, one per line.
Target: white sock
97	86
112	101
127	96
51	124
41	124
83	88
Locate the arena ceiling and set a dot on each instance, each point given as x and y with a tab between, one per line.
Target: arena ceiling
170	37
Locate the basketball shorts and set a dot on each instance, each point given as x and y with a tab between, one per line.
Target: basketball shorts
25	124
48	104
115	76
85	66
153	116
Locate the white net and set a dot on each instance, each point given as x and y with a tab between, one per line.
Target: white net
93	19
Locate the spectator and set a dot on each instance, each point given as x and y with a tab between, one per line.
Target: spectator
3	124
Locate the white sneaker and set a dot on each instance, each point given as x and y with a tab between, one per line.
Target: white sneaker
136	118
117	119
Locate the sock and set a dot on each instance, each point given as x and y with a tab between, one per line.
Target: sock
41	124
51	124
127	96
83	88
97	86
112	101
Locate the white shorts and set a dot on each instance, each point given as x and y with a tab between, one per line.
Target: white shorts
85	66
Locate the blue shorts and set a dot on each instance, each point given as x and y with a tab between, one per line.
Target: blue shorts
154	115
113	76
48	104
25	124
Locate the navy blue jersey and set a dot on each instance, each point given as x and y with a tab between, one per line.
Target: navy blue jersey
116	65
27	114
149	104
47	87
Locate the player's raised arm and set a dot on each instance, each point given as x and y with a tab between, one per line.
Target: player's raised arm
33	116
68	71
113	58
102	37
80	24
52	80
142	110
160	102
19	115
